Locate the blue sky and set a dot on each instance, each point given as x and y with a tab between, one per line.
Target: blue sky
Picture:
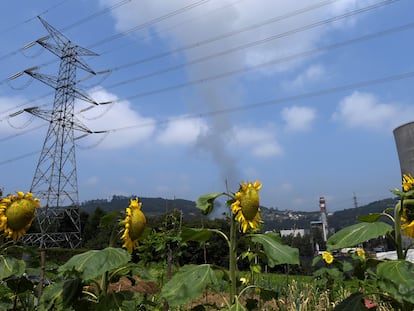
215	91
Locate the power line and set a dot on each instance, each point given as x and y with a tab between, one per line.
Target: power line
228	34
321	92
350	86
77	23
265	64
231	50
28	20
232	33
150	23
141	26
272	62
20	157
184	22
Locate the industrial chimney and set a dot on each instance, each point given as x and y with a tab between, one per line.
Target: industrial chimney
324	218
404	139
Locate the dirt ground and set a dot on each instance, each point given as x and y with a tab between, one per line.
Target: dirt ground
136	286
215	300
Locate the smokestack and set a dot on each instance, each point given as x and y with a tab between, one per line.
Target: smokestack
324	218
404	139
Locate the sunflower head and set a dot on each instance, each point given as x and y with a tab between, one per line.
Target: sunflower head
134	225
408	229
246	208
407	182
17	213
361	252
327	256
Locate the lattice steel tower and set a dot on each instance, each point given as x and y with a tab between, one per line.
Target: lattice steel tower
55	178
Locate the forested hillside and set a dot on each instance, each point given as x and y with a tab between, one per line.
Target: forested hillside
274	219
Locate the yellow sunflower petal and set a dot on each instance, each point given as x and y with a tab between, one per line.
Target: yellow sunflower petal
408	229
134	224
246	206
327	256
17	213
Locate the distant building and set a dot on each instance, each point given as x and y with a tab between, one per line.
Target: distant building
322	223
294	232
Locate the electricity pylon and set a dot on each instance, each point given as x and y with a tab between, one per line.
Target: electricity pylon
55	179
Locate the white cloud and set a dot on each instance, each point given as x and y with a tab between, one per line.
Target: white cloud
125	125
298	118
340	7
260	141
365	110
214	18
182	131
312	74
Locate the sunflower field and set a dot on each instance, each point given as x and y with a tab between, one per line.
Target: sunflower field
139	268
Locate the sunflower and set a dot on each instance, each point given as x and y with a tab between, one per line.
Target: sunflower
246	208
408	229
407	215
134	223
407	182
17	213
327	256
361	252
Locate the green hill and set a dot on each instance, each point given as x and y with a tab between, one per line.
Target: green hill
153	206
344	218
273	219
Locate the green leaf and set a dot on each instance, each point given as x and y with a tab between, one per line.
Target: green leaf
19	284
205	202
276	252
197	235
116	302
10	266
353	303
135	269
108	219
188	284
93	264
371	217
61	295
397	278
237	306
357	234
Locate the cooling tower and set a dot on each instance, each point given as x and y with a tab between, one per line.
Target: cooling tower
404	139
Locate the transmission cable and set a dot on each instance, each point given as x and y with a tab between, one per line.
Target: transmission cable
321	92
149	23
306	27
184	22
141	26
345	87
81	21
228	34
287	58
31	18
203	80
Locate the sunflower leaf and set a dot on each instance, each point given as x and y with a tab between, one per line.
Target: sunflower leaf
396	277
93	264
205	202
195	234
188	284
10	266
357	234
276	252
371	217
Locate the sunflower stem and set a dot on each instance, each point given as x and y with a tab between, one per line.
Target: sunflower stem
232	260
397	229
